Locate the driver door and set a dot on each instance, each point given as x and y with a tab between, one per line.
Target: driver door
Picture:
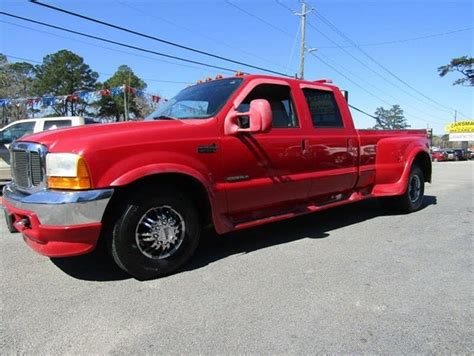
266	171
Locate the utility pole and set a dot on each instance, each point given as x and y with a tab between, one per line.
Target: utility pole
455	115
303	14
125	108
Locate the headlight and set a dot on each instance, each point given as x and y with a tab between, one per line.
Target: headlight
67	171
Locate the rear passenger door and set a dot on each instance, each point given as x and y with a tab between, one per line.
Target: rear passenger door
333	143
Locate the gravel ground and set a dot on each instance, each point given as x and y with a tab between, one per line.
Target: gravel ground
354	279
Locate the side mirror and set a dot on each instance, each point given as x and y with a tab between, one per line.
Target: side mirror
260	119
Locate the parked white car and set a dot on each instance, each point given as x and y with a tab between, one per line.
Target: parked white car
20	128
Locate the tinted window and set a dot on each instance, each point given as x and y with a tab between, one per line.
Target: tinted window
323	108
17	131
279	97
56	124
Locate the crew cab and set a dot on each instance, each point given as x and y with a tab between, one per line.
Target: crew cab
233	152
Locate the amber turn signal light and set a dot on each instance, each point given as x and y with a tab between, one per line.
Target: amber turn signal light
80	181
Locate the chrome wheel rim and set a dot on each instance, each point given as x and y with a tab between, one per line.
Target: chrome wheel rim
415	188
160	232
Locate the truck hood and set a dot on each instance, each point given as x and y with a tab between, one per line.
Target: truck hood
96	136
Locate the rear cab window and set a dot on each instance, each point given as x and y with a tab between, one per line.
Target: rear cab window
323	108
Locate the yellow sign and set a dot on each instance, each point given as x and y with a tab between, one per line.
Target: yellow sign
460	127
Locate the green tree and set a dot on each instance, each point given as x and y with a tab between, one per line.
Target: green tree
114	106
391	119
64	73
16	80
462	65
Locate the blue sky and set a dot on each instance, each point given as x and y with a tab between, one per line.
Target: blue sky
220	28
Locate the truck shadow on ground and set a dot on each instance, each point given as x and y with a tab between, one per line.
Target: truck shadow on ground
98	267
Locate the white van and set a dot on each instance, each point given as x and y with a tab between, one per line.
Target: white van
20	128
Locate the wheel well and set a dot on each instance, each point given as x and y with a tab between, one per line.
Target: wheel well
423	160
185	183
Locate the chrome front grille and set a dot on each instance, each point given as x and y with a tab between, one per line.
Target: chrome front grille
28	166
20	168
36	169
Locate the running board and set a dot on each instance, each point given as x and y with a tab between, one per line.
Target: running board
302	210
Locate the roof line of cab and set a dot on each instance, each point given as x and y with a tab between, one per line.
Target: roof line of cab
324	81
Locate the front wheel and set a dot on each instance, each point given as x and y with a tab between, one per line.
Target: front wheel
155	234
412	199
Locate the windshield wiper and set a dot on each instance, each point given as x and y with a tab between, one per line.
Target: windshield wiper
165	117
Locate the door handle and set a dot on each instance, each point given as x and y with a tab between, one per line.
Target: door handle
305	147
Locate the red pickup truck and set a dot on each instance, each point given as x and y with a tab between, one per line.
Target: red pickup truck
233	152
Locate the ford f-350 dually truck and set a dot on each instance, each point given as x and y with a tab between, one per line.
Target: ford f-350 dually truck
233	152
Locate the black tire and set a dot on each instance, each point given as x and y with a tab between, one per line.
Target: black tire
410	200
124	245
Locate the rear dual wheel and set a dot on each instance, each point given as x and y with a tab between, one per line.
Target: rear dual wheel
412	199
155	234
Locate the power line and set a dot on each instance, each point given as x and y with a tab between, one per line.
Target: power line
99	46
322	60
319	55
34	61
103	73
433	35
356	84
22	59
117	43
196	32
154	38
362	111
353	44
373	71
259	19
348	39
356	59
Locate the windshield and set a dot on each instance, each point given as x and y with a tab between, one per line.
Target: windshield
197	102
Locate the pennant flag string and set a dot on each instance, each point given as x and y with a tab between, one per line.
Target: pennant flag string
88	97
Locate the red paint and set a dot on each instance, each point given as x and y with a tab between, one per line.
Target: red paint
281	173
55	241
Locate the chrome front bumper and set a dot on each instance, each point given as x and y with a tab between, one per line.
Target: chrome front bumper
60	208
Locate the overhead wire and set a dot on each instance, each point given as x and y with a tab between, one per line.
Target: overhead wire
117	43
155	38
424	37
363	64
103	73
100	46
279	29
162	40
322	60
360	87
293	47
195	31
383	67
363	112
371	70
